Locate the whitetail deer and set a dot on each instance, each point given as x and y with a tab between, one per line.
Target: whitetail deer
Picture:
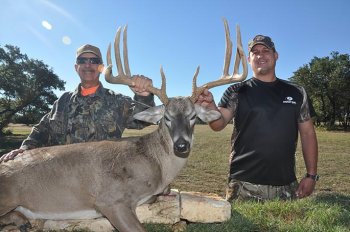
111	178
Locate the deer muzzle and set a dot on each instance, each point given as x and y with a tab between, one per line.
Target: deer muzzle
182	148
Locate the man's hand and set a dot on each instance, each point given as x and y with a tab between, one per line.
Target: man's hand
306	187
206	99
11	155
140	85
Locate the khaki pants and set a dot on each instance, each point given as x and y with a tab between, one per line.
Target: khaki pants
240	190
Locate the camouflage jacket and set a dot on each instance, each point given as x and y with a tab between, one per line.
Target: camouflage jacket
75	118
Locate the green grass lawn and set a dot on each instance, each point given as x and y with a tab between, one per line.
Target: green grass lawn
328	209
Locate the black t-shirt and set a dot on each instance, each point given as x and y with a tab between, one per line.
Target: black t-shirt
266	117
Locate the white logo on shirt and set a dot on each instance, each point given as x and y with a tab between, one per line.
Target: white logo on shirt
289	100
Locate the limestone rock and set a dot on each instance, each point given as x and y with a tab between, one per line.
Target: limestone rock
204	208
165	210
98	225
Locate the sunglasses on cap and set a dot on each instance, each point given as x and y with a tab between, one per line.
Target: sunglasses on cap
85	60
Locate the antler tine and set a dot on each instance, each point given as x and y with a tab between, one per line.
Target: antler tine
228	49
195	90
226	78
117	53
125	51
240	55
161	93
125	78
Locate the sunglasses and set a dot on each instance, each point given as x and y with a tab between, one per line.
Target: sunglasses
84	60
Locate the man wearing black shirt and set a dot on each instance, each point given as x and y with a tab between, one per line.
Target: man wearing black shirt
268	113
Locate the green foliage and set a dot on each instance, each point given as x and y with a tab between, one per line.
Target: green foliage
26	88
327	82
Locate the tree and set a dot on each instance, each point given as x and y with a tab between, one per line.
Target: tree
26	86
327	82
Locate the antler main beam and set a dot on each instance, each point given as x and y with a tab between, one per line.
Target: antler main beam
125	78
226	78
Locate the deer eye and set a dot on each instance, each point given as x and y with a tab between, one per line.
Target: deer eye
193	117
166	118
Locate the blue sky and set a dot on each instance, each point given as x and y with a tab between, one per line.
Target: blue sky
177	34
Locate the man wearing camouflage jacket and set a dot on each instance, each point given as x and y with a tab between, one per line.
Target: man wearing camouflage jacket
91	112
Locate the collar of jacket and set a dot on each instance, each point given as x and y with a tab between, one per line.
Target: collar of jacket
99	91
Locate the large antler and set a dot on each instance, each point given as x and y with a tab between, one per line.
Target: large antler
226	78
125	78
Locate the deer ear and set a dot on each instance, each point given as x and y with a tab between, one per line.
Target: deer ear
205	114
151	115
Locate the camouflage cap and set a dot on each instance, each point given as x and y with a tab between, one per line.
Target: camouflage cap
263	40
87	48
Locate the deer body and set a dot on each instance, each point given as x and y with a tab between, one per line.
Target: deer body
109	178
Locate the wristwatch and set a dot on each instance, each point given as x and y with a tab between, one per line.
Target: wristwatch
314	177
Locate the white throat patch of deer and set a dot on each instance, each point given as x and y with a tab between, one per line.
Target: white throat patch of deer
111	178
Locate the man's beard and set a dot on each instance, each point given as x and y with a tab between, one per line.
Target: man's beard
263	71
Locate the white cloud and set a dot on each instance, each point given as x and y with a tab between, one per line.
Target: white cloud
46	25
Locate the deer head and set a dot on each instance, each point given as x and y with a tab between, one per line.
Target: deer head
178	113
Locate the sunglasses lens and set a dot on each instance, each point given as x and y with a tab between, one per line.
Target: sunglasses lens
94	60
84	60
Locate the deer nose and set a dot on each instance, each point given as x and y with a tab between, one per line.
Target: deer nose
182	146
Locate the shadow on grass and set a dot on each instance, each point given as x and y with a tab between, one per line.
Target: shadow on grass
337	199
242	223
334	199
